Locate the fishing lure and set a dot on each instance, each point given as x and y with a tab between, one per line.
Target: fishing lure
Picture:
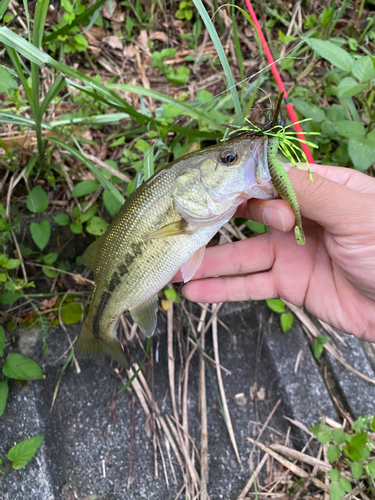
280	138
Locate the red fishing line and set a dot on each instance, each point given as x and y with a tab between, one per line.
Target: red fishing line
276	74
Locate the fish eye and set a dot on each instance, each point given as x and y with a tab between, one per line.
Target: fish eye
228	157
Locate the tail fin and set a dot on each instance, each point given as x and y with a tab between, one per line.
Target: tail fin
88	345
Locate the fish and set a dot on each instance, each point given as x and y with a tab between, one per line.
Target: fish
163	227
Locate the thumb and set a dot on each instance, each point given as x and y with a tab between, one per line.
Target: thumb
332	205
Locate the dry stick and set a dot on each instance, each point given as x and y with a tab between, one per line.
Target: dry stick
302	316
253	477
289	465
298	455
203	408
193	473
171	363
212	361
77	277
265	426
142	396
163	461
332	332
228	420
112	170
168	448
185	418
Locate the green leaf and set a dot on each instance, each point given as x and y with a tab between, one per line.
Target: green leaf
50	258
348	87
71	313
172	295
40	233
286	321
276	305
8	83
76	228
333	453
338	435
23	452
334	475
37	200
355	446
12	263
178	76
363	69
96	226
142	145
50	273
256	227
357	470
345	484
111	203
22	368
10	297
84	216
2	341
309	111
3	395
322	433
362	152
85	187
349	128
62	219
332	53
336	491
370	469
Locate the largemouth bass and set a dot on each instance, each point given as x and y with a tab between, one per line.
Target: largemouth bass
163	227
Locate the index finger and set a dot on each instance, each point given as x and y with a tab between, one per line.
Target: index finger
346	176
334	206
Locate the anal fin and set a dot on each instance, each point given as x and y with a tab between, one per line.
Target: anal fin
191	266
145	315
173	229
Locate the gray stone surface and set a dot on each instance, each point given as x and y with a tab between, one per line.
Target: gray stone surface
356	394
70	463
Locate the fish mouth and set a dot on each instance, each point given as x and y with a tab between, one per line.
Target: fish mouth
258	182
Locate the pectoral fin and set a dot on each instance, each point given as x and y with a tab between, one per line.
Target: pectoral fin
90	254
172	229
191	266
145	315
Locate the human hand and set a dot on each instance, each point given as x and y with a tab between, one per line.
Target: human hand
332	275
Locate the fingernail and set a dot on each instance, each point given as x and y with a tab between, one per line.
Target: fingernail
273	217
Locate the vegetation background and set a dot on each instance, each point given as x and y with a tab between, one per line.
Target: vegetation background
97	96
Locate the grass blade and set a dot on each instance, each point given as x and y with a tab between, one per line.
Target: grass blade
89	164
3	7
185	107
148	165
223	58
53	91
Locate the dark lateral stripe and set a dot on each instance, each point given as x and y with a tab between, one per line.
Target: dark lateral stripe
114	283
99	310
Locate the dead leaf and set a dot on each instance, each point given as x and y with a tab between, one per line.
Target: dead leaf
159	35
240	399
143	42
109	9
129	51
113	41
48	303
